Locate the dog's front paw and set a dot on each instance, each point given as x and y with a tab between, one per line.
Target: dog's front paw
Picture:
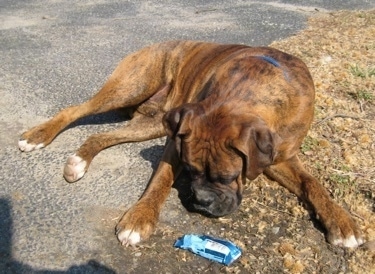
74	168
342	229
136	225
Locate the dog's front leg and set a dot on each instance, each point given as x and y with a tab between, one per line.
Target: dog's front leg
139	222
341	227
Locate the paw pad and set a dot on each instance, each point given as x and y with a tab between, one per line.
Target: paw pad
129	237
350	242
26	147
74	169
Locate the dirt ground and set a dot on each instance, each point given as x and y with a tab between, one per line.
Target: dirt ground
276	233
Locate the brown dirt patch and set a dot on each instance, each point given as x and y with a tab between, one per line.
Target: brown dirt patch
275	231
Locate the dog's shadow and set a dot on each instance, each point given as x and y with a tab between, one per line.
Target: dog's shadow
182	184
9	264
151	154
109	117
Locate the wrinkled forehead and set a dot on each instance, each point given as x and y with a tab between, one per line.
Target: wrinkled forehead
209	140
214	154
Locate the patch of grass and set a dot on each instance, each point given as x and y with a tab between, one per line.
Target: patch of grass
364	95
357	71
361	15
362	72
318	166
342	184
340	179
345	168
309	143
371	72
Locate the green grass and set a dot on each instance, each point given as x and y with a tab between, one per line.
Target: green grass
364	95
309	143
342	181
362	72
371	72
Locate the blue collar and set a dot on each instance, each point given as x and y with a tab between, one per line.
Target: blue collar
274	62
269	60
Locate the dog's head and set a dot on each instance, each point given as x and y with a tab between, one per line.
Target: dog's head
220	149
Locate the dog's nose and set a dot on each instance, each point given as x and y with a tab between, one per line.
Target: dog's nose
203	197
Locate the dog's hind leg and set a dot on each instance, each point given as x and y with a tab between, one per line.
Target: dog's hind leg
129	86
341	228
140	128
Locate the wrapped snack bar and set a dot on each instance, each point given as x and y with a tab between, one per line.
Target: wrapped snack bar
217	250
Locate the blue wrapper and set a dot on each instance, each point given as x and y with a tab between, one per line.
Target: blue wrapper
217	250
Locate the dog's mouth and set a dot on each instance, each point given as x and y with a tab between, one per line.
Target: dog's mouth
204	211
214	211
214	203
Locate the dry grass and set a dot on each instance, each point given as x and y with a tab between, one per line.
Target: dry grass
339	49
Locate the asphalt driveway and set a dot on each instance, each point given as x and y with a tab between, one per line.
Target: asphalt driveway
57	53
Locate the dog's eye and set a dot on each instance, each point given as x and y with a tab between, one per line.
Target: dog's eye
187	167
227	180
196	176
194	173
224	181
192	170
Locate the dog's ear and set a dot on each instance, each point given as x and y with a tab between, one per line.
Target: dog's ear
178	123
258	146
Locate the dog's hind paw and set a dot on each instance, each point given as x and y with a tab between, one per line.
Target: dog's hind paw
74	169
23	145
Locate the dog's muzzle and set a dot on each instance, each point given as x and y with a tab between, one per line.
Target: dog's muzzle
213	201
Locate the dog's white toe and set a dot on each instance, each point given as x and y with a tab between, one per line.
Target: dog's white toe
26	147
350	242
74	169
129	237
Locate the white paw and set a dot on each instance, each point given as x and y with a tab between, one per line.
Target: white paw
129	237
25	146
74	169
350	242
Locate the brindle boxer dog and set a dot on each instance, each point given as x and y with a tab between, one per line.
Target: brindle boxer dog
231	112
